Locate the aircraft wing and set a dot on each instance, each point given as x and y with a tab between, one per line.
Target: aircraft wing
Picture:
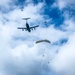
22	28
34	27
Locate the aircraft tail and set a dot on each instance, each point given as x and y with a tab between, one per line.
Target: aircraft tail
25	18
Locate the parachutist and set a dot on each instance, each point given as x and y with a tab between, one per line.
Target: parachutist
48	62
43	55
21	9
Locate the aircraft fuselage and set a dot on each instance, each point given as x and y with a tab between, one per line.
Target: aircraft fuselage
27	26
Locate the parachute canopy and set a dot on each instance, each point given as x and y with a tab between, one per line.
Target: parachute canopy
43	41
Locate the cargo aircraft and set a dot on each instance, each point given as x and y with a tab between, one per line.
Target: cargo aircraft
27	28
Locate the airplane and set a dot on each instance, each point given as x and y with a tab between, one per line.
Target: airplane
28	28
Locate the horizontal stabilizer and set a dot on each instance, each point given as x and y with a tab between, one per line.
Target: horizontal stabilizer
25	18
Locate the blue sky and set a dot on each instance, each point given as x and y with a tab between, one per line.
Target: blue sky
20	55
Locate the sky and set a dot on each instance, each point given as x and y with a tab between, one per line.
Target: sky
20	55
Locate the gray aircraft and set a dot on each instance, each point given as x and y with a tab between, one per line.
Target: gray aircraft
27	28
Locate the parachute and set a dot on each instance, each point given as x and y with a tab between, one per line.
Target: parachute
43	41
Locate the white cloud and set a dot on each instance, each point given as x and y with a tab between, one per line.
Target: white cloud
6	5
64	60
69	25
20	55
64	3
20	59
4	2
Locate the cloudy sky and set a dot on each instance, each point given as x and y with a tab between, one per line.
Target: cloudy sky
20	55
